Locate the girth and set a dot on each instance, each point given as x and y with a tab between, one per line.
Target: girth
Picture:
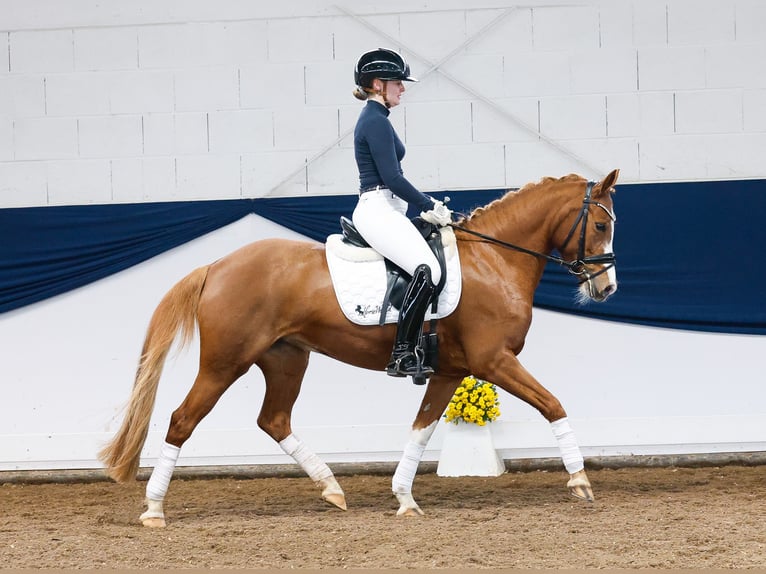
397	278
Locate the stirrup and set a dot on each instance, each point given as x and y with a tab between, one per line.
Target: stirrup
418	371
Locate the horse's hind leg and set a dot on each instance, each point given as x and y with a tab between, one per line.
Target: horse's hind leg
437	396
204	394
283	367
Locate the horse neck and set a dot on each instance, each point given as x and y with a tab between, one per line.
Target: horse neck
528	217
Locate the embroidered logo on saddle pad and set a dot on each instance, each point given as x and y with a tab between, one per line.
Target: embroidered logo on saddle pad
359	278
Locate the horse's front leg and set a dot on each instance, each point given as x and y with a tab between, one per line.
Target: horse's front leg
437	396
505	371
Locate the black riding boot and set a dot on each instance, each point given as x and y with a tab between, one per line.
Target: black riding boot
404	360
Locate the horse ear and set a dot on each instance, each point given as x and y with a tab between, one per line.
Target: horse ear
607	183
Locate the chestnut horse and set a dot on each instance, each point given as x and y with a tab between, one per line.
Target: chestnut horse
246	311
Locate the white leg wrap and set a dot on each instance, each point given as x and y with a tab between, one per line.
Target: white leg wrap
158	483
308	461
570	452
407	468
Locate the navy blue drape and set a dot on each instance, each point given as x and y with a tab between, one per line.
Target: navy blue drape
688	254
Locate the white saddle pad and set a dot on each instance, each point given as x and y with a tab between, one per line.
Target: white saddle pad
359	277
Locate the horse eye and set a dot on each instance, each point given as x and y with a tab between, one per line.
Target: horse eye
601	226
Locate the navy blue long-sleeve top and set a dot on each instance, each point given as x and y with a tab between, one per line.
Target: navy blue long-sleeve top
379	152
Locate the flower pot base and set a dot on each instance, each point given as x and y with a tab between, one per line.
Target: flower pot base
468	450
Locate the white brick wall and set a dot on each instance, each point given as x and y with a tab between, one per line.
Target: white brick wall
45	51
160	102
5	64
105	49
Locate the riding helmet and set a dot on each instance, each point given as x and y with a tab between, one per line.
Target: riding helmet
383	64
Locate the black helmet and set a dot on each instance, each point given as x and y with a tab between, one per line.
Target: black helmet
383	64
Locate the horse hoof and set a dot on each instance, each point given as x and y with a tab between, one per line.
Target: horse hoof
579	486
410	511
336	500
154	522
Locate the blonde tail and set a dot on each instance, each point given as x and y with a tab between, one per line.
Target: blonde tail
177	311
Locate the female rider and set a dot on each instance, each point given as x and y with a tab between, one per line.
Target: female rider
384	196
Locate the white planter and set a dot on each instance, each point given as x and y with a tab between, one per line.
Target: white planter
468	450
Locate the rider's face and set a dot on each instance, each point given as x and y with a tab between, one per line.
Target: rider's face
394	91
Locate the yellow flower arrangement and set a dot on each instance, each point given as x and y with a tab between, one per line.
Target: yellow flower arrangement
474	401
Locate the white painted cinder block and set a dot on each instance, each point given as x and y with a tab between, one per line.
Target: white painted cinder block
141	91
514	119
573	117
736	155
650	25
472	166
300	40
135	180
565	27
206	89
236	42
604	70
735	66
22	96
5	64
750	16
41	51
537	74
483	73
272	85
208	177
754	110
241	131
110	136
432	35
175	134
661	68
527	162
45	138
329	83
512	33
79	182
439	123
651	114
278	173
334	173
305	128
105	49
605	154
193	45
700	22
709	112
615	25
420	167
352	38
6	138
706	156
78	94
23	184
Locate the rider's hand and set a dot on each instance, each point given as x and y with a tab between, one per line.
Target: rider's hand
439	214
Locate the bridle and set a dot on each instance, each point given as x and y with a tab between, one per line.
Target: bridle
577	266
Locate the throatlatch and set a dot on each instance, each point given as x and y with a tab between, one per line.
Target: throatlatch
407	357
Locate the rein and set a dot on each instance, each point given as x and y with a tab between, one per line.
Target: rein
576	266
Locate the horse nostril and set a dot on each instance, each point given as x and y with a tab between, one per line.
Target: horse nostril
609	289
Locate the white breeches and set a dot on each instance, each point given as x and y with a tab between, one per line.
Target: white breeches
381	218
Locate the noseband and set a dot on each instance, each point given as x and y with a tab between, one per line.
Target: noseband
577	266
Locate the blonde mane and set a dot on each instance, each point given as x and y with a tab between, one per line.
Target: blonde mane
488	213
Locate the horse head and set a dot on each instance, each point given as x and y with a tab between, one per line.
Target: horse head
585	242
